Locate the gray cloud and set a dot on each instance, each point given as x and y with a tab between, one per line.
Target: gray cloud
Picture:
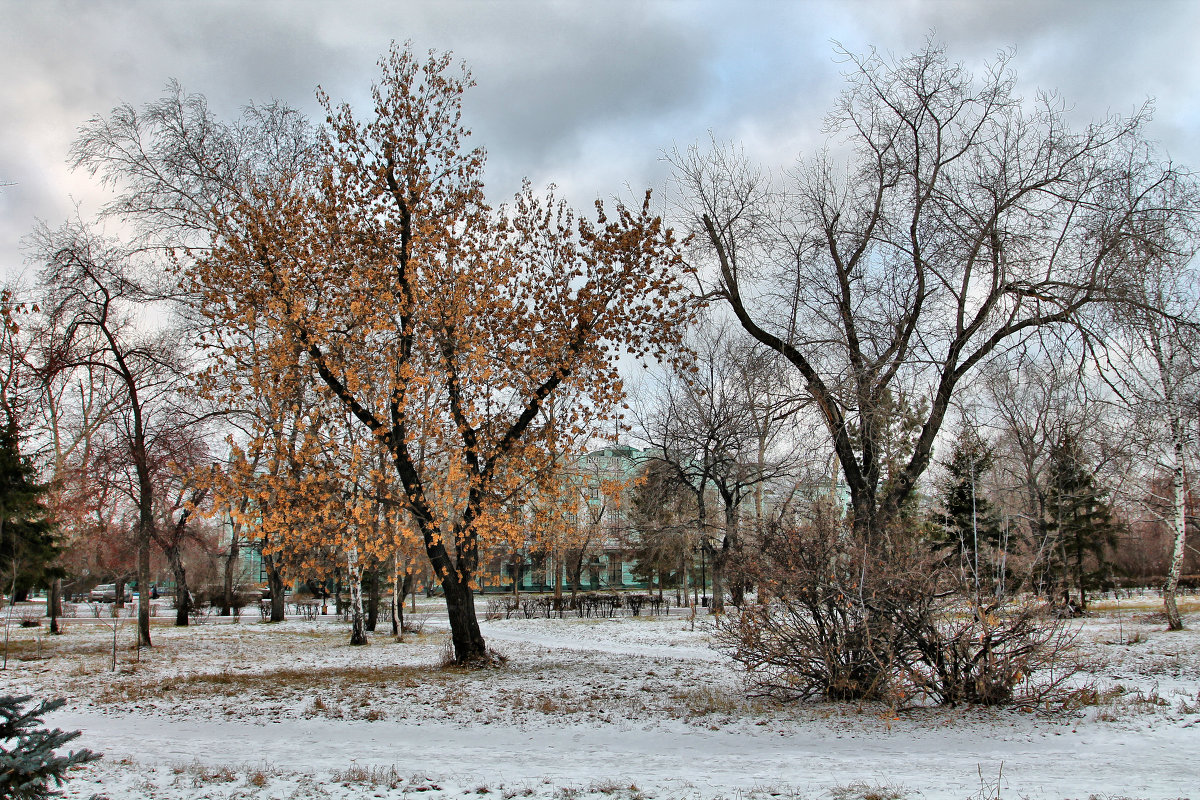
584	94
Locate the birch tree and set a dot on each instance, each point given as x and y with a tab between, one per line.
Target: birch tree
1152	360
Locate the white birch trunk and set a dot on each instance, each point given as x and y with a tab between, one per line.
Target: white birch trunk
1178	525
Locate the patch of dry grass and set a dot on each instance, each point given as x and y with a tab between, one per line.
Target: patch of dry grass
273	684
699	701
1188	604
358	775
859	790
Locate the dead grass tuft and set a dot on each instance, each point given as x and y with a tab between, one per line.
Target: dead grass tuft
615	788
704	700
860	790
257	779
206	774
356	774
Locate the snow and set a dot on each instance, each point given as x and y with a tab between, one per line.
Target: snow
584	708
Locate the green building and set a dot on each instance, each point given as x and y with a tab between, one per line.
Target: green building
593	551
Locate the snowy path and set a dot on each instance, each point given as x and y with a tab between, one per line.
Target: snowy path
1039	759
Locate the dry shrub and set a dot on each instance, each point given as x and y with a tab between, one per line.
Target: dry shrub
502	607
963	646
817	636
847	619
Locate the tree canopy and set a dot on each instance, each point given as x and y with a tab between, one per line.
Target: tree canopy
948	220
441	325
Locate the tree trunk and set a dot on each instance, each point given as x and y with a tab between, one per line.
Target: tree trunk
1080	576
1179	498
339	605
120	593
469	647
358	635
576	575
143	576
371	578
683	579
558	580
723	558
183	599
407	589
397	600
145	523
717	573
54	604
231	560
275	584
737	582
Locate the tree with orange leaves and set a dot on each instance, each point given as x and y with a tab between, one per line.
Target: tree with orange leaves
437	323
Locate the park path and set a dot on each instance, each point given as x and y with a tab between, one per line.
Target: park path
1039	760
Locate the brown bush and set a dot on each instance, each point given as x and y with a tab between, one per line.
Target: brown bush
818	635
841	618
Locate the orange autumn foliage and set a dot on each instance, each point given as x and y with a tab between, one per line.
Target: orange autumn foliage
442	326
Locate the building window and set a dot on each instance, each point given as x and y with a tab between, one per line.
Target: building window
615	577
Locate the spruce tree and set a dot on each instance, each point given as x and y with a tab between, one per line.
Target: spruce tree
28	762
968	527
1079	519
27	543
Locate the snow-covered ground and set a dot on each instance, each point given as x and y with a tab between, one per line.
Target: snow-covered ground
584	708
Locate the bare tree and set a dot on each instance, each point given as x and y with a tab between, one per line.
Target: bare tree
94	295
181	498
717	426
661	536
1152	360
179	169
1035	399
963	221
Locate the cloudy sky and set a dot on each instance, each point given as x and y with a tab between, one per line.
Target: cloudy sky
585	94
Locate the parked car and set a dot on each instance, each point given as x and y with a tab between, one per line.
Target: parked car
104	593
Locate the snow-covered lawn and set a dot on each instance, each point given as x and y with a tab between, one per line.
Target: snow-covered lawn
611	708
